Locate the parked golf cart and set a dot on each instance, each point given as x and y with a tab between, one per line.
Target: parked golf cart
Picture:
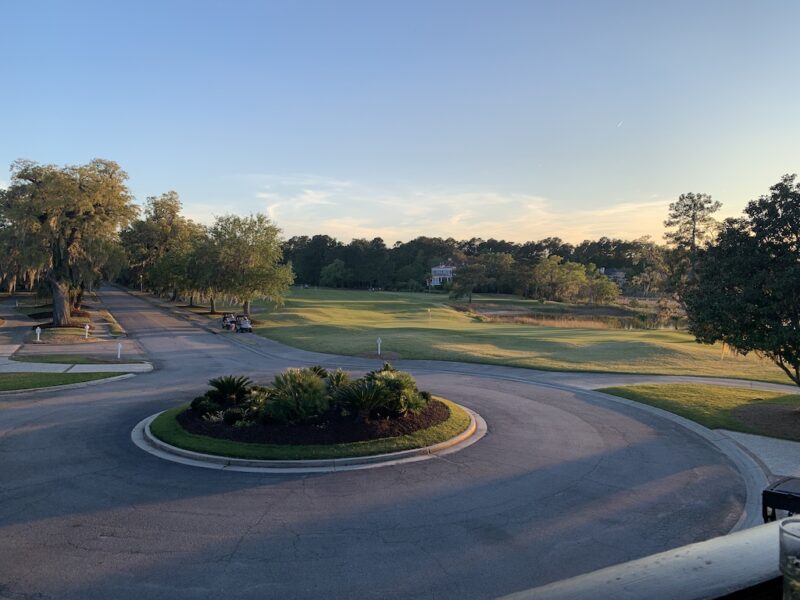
243	324
228	321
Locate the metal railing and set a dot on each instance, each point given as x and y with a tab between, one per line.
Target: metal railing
701	571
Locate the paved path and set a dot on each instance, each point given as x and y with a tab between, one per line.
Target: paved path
16	328
565	482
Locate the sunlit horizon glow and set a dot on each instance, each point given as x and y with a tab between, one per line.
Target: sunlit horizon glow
519	120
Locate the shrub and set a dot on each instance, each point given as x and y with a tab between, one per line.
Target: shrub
361	397
314	393
336	380
229	390
204	405
231	415
400	393
320	371
297	395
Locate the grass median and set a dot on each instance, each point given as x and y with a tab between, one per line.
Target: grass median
24	381
166	428
775	414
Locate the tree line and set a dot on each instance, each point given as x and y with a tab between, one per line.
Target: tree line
550	268
63	230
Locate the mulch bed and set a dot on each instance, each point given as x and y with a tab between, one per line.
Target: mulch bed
335	430
776	420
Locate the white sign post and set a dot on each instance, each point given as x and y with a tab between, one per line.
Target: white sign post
38	334
119	350
379	346
86	328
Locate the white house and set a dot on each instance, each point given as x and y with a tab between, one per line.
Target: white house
442	274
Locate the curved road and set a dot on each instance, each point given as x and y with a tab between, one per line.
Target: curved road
562	484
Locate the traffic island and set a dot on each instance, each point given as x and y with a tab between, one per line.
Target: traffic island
327	458
310	419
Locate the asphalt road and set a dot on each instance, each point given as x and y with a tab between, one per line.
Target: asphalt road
562	484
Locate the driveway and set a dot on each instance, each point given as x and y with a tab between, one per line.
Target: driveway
563	483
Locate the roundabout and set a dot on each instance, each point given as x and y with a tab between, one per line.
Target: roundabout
143	437
562	482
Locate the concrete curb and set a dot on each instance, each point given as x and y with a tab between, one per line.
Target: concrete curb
144	439
69	386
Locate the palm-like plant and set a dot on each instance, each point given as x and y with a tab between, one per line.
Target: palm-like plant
229	389
362	397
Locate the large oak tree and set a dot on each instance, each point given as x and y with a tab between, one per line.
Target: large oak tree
68	215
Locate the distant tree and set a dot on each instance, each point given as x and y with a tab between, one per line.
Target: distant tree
747	290
556	279
148	239
598	288
334	275
467	279
500	272
692	221
248	259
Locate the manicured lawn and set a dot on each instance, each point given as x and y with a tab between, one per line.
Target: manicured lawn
348	322
72	359
24	381
739	409
166	428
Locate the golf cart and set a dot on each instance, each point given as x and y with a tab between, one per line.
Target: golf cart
228	321
243	324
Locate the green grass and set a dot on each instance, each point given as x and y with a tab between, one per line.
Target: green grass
72	359
24	381
348	322
56	332
115	328
166	428
710	405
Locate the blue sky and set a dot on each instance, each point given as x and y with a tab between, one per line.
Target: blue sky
401	118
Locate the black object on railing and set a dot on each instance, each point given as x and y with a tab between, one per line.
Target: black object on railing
784	494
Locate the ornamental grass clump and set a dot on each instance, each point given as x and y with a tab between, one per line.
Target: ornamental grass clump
312	396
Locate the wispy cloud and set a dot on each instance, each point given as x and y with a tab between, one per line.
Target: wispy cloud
304	204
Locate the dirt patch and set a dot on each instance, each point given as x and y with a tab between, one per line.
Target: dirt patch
333	430
775	420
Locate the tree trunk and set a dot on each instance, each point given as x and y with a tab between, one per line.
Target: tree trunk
174	295
191	299
61	311
78	298
213	305
12	284
246	307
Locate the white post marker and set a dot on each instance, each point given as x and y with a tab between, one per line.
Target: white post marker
86	328
119	350
38	333
429	314
379	346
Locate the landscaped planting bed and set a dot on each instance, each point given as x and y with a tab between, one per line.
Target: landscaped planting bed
312	414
